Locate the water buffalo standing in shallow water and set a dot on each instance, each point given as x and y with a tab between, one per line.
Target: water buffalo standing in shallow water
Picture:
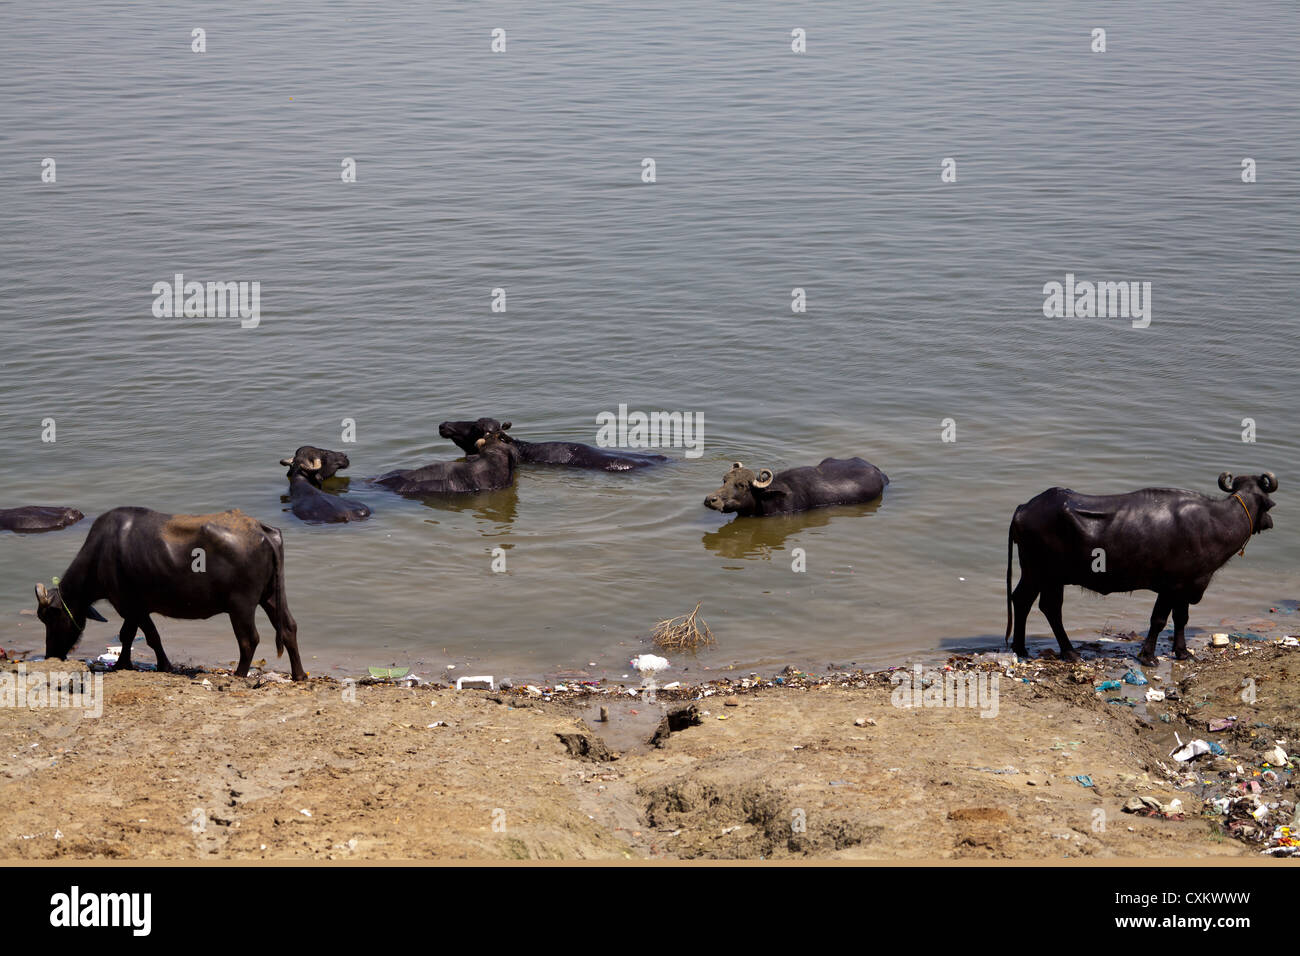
491	467
1158	539
836	481
34	518
143	562
308	468
571	454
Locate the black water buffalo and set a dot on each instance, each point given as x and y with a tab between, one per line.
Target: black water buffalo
308	468
35	518
144	562
492	466
1158	539
318	464
568	453
836	481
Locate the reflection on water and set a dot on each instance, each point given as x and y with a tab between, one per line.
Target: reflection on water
752	537
498	507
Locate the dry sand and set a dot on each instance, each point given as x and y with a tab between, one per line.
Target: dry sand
204	765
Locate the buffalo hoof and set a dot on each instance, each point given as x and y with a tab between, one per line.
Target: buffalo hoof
1148	658
1183	654
1072	657
122	665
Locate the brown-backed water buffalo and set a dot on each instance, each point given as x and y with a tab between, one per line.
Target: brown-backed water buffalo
836	481
567	453
1158	539
35	518
492	466
182	566
308	468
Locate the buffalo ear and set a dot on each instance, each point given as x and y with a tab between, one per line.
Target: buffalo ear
1225	481
1269	481
42	595
764	478
505	426
93	615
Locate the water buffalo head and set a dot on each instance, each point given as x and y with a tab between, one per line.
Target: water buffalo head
315	464
497	438
62	628
467	434
1253	491
740	490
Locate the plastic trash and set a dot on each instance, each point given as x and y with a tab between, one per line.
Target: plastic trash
1083	779
482	682
1194	749
1154	695
1109	685
1135	677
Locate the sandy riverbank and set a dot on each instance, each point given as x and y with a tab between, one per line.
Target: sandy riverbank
207	766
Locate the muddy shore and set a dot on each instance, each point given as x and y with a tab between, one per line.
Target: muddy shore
202	765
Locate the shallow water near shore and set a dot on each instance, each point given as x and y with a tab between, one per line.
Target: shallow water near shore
522	171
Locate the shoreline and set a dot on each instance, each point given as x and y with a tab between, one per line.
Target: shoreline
202	766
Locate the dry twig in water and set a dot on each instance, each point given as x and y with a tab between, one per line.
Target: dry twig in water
683	632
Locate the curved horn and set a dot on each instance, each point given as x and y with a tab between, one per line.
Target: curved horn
1269	481
764	478
737	464
286	461
314	465
505	426
480	443
1225	481
42	595
93	615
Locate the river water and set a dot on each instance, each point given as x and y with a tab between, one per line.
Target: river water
522	171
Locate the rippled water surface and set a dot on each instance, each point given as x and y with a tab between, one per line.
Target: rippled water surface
522	171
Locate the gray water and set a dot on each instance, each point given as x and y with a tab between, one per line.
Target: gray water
522	170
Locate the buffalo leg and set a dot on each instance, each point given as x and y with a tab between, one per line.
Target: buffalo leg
1181	613
286	633
126	636
1159	615
246	635
155	643
1050	604
1022	598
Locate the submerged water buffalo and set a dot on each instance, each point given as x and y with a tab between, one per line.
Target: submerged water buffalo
144	562
1158	539
492	466
836	481
36	518
568	453
308	468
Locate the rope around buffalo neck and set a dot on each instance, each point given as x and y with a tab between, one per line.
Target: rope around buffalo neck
55	582
1251	524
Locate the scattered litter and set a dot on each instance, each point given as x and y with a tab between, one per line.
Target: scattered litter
1276	757
1195	748
1221	724
1109	685
483	682
1135	677
1154	695
1220	640
388	673
1083	780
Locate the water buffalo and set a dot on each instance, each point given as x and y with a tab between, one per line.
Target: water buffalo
318	464
144	562
34	518
836	481
568	453
308	468
492	466
1158	539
